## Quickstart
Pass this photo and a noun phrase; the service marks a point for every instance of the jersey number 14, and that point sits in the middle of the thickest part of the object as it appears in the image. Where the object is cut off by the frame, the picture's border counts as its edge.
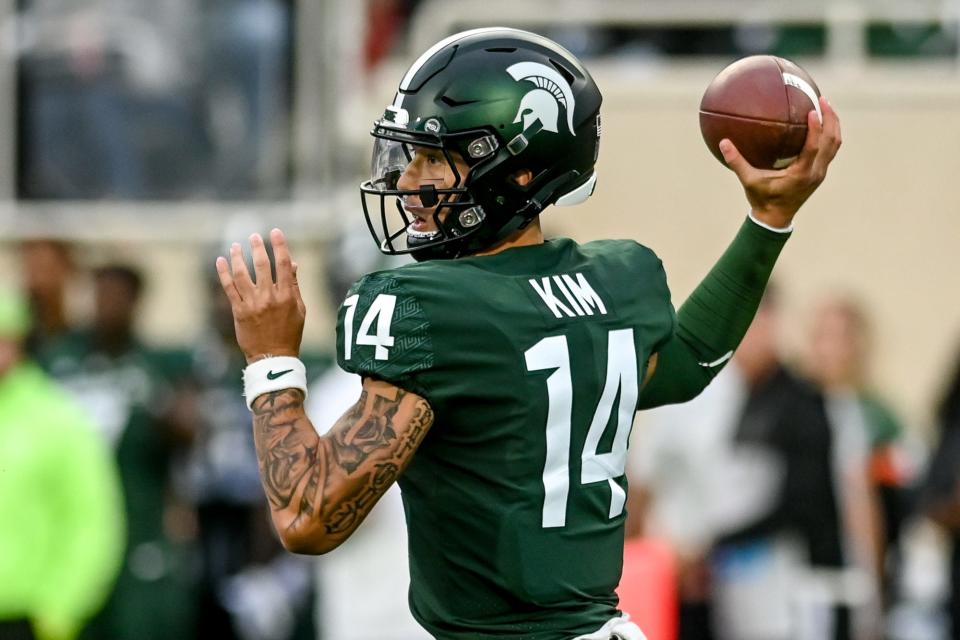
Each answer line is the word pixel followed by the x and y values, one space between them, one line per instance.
pixel 553 353
pixel 380 310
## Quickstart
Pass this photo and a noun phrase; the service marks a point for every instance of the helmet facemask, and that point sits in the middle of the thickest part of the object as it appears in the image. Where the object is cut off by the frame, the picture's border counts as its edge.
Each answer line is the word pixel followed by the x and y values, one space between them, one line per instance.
pixel 392 213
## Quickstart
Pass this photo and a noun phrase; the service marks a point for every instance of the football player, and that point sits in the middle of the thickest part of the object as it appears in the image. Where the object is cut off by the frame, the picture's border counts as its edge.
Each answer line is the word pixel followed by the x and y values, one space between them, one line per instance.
pixel 501 372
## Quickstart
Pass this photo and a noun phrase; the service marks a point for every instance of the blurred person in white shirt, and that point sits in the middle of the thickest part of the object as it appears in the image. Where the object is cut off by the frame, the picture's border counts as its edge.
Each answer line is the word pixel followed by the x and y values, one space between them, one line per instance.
pixel 762 523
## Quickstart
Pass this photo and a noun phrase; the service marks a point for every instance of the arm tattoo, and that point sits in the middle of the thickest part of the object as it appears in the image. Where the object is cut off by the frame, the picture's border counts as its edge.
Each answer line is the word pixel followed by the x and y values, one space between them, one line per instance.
pixel 351 512
pixel 335 480
pixel 365 434
pixel 287 452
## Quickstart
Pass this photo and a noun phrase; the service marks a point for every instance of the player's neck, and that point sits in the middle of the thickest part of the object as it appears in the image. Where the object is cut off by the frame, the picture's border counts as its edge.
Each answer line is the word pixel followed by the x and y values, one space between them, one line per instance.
pixel 531 234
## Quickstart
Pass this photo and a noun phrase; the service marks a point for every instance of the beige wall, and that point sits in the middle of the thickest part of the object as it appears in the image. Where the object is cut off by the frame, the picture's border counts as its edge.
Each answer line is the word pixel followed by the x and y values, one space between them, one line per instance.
pixel 885 225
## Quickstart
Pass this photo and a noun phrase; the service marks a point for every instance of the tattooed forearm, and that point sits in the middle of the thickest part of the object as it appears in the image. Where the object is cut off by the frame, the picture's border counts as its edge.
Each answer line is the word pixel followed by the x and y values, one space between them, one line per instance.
pixel 422 419
pixel 329 484
pixel 350 512
pixel 287 451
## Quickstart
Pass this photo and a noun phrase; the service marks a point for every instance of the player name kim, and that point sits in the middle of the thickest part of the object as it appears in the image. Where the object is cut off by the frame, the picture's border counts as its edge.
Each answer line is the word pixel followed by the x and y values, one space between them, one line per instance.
pixel 568 295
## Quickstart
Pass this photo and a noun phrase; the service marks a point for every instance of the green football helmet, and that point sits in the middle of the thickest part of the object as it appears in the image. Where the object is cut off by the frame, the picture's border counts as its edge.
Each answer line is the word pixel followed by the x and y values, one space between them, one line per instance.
pixel 499 101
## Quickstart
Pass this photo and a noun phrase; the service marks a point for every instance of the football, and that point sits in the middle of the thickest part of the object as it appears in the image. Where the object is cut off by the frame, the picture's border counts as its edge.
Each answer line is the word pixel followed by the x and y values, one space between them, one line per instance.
pixel 761 104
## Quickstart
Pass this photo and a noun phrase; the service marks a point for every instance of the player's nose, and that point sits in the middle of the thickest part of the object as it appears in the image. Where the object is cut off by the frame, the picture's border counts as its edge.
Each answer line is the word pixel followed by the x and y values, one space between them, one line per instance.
pixel 407 179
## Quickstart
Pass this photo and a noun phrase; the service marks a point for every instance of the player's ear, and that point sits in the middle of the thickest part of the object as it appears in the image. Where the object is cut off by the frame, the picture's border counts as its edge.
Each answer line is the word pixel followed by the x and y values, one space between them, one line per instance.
pixel 521 177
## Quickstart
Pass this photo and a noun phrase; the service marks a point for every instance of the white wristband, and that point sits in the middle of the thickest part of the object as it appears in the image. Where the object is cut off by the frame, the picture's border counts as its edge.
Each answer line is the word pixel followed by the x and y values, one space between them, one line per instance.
pixel 768 227
pixel 273 374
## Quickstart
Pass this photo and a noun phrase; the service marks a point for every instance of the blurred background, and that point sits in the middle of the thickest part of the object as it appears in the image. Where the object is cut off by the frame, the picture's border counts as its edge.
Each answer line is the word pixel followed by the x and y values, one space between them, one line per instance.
pixel 138 138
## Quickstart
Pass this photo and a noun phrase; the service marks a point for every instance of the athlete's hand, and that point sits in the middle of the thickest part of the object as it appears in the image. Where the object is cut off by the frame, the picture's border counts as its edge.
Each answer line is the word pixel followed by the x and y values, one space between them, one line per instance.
pixel 775 196
pixel 267 316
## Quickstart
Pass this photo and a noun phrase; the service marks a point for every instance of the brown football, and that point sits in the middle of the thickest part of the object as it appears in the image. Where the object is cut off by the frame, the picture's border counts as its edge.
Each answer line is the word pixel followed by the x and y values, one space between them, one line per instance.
pixel 761 103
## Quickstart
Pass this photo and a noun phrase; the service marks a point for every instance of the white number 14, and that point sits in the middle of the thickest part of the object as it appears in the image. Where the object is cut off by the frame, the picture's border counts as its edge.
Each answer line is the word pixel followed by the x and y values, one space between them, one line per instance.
pixel 380 310
pixel 553 353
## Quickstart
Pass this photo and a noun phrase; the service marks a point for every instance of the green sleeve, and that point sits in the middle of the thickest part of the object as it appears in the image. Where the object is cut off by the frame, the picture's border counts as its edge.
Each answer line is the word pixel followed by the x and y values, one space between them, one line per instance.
pixel 714 319
pixel 85 493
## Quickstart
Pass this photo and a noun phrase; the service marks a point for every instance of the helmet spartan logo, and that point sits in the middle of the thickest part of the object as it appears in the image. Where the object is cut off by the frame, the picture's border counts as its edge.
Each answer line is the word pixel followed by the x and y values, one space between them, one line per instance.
pixel 543 103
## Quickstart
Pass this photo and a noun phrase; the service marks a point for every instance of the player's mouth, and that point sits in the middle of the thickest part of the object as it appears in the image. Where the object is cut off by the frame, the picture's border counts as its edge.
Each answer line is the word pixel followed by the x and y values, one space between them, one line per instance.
pixel 422 224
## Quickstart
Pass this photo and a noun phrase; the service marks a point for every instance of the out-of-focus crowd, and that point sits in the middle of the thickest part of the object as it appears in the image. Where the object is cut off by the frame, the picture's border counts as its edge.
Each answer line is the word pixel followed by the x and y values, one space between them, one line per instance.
pixel 180 99
pixel 145 100
pixel 179 474
pixel 148 100
pixel 793 501
pixel 131 500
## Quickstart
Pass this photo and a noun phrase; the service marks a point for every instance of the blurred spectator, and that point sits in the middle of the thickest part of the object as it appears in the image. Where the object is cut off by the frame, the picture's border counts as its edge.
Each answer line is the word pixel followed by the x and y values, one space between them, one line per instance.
pixel 62 537
pixel 368 577
pixel 74 133
pixel 107 90
pixel 46 268
pixel 839 362
pixel 807 561
pixel 678 493
pixel 250 588
pixel 941 495
pixel 121 382
pixel 248 60
pixel 144 99
pixel 777 499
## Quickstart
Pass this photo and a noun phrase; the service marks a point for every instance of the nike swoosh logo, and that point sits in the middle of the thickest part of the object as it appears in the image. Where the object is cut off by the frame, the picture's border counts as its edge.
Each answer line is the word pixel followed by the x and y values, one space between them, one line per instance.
pixel 273 376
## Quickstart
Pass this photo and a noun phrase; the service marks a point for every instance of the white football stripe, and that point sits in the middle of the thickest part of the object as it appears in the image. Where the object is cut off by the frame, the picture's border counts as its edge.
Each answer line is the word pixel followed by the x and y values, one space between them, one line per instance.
pixel 792 80
pixel 782 163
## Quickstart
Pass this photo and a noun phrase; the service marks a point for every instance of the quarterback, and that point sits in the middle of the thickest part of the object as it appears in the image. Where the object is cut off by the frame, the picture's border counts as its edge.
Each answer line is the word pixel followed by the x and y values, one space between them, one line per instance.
pixel 501 372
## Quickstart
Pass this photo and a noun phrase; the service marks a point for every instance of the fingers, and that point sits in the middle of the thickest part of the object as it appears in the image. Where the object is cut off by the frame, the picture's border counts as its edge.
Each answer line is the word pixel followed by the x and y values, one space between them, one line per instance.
pixel 827 144
pixel 286 267
pixel 235 277
pixel 296 289
pixel 832 138
pixel 731 155
pixel 261 261
pixel 281 255
pixel 226 281
pixel 241 277
pixel 811 145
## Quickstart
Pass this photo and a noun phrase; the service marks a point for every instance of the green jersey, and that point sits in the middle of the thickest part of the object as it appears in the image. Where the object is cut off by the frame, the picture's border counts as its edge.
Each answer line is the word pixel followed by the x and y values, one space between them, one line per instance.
pixel 532 360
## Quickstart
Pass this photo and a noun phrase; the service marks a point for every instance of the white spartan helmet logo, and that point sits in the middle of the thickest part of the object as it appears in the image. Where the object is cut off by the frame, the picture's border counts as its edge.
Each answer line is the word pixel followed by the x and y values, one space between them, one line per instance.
pixel 543 102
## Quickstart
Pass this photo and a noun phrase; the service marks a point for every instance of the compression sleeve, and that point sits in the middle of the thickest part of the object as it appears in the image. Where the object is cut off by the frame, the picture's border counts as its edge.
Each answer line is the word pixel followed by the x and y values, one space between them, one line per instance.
pixel 714 319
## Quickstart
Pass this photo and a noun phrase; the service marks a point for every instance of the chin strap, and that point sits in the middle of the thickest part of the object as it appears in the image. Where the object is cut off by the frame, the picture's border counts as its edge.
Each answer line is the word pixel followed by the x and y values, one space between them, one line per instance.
pixel 536 202
pixel 534 206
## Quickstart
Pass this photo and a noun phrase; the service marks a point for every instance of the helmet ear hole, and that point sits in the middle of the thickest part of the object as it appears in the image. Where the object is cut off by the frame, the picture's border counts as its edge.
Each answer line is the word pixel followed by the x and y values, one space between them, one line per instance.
pixel 521 177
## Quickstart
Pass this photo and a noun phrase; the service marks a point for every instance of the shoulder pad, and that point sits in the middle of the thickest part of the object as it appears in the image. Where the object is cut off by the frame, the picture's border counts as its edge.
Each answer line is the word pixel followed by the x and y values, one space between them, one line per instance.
pixel 383 332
